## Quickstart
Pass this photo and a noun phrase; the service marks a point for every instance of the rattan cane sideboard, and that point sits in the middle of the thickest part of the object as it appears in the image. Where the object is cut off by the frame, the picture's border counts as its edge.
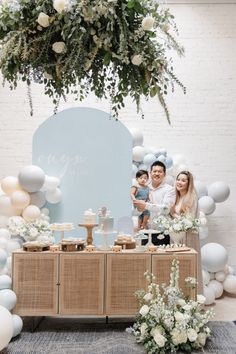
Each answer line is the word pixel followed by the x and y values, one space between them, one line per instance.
pixel 97 284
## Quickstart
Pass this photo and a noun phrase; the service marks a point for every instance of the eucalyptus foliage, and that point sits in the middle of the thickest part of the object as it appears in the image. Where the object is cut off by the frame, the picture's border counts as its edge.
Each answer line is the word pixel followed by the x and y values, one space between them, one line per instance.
pixel 112 48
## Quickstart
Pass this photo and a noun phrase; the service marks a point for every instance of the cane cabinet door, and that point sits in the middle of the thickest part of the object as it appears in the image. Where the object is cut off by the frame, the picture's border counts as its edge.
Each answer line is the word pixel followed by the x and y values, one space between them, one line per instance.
pixel 125 275
pixel 35 282
pixel 82 284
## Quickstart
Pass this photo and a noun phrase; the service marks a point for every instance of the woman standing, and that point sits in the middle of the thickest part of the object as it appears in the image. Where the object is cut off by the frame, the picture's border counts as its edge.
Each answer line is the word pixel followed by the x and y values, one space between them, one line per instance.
pixel 186 203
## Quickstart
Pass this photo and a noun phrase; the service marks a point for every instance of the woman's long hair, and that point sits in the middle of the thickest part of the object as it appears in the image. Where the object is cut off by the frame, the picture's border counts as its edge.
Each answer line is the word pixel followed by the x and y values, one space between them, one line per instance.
pixel 189 200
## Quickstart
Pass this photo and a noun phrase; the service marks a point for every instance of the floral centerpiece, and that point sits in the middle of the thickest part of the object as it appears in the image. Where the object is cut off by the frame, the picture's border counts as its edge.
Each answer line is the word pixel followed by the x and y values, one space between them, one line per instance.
pixel 167 321
pixel 110 47
pixel 31 231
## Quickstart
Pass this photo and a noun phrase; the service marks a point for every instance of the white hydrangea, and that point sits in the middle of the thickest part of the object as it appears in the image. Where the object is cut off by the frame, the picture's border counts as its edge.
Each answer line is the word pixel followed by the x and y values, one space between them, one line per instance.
pixel 147 23
pixel 59 47
pixel 43 20
pixel 137 59
pixel 144 310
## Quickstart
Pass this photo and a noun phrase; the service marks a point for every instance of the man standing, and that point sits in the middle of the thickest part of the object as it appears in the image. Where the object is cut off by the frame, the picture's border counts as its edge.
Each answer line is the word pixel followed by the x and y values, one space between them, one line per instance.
pixel 162 196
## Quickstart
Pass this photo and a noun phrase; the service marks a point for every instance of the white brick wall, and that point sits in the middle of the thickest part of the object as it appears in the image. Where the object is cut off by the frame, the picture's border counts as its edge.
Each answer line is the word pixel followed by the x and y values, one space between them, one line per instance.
pixel 203 122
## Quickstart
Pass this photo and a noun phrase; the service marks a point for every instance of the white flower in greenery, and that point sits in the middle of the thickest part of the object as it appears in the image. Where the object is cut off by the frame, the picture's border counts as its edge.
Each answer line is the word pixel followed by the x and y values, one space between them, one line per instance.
pixel 201 339
pixel 143 328
pixel 137 59
pixel 59 47
pixel 179 316
pixel 148 297
pixel 181 302
pixel 43 20
pixel 144 310
pixel 147 23
pixel 60 5
pixel 158 337
pixel 201 299
pixel 187 307
pixel 178 337
pixel 192 334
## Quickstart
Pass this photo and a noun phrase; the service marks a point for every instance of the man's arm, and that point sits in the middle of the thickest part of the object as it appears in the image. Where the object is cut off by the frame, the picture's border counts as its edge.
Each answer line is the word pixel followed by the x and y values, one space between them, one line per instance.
pixel 168 200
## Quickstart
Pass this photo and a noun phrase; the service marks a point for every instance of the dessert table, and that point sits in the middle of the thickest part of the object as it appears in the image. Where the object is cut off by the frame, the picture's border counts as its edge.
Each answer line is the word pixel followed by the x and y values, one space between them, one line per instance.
pixel 100 283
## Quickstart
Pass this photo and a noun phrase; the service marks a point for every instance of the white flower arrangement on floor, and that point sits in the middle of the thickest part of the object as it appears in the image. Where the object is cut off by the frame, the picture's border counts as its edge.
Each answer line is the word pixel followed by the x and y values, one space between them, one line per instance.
pixel 167 321
pixel 110 47
pixel 166 224
pixel 31 231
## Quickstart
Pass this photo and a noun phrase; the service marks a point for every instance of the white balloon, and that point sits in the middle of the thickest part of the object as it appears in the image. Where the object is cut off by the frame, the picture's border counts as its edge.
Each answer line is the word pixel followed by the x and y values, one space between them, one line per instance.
pixel 229 284
pixel 214 257
pixel 20 199
pixel 45 211
pixel 10 184
pixel 17 325
pixel 3 258
pixel 220 276
pixel 8 264
pixel 6 325
pixel 3 221
pixel 231 270
pixel 4 233
pixel 170 180
pixel 149 159
pixel 51 183
pixel 3 271
pixel 6 208
pixel 31 178
pixel 3 243
pixel 169 162
pixel 7 299
pixel 205 277
pixel 161 158
pixel 12 246
pixel 5 282
pixel 138 153
pixel 201 189
pixel 219 191
pixel 217 288
pixel 137 136
pixel 38 199
pixel 209 295
pixel 31 213
pixel 54 196
pixel 207 205
pixel 203 232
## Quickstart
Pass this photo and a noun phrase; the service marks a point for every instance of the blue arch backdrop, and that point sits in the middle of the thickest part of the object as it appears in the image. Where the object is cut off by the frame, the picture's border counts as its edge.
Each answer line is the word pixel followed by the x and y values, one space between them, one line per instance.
pixel 91 153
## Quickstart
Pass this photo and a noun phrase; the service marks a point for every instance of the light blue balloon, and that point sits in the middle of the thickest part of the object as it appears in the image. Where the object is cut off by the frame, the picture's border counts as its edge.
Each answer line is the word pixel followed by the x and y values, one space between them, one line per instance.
pixel 5 282
pixel 163 151
pixel 149 159
pixel 142 166
pixel 169 162
pixel 7 299
pixel 161 158
pixel 17 325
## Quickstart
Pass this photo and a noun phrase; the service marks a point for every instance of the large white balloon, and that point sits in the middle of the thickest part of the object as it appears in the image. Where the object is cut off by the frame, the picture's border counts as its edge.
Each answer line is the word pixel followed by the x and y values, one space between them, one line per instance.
pixel 20 199
pixel 7 299
pixel 38 199
pixel 3 258
pixel 217 287
pixel 31 213
pixel 4 233
pixel 6 208
pixel 5 282
pixel 6 325
pixel 10 184
pixel 54 196
pixel 201 189
pixel 207 205
pixel 214 257
pixel 219 191
pixel 12 246
pixel 17 325
pixel 51 183
pixel 137 136
pixel 31 178
pixel 229 284
pixel 209 295
pixel 138 153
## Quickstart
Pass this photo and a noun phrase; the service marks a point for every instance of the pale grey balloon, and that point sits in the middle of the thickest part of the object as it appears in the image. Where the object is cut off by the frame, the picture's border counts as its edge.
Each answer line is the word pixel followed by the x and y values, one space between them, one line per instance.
pixel 207 205
pixel 201 189
pixel 17 325
pixel 38 199
pixel 214 257
pixel 7 299
pixel 31 178
pixel 219 191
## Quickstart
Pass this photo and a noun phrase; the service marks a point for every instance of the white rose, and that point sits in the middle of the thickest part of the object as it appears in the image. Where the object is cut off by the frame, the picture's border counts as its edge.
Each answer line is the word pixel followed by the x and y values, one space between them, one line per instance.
pixel 201 299
pixel 187 307
pixel 43 19
pixel 181 302
pixel 192 334
pixel 147 23
pixel 143 328
pixel 144 310
pixel 147 297
pixel 158 338
pixel 201 339
pixel 60 5
pixel 136 59
pixel 178 337
pixel 33 232
pixel 59 47
pixel 179 316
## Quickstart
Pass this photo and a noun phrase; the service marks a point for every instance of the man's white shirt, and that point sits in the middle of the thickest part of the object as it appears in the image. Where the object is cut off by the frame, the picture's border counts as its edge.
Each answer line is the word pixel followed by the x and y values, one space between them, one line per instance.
pixel 161 197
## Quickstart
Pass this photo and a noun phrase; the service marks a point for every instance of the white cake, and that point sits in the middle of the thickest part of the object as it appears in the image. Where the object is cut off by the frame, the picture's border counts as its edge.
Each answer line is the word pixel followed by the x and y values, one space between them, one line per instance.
pixel 90 217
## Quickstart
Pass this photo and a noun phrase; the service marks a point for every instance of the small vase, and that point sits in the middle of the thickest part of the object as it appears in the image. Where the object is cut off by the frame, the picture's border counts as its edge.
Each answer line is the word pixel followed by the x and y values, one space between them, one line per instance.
pixel 177 237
